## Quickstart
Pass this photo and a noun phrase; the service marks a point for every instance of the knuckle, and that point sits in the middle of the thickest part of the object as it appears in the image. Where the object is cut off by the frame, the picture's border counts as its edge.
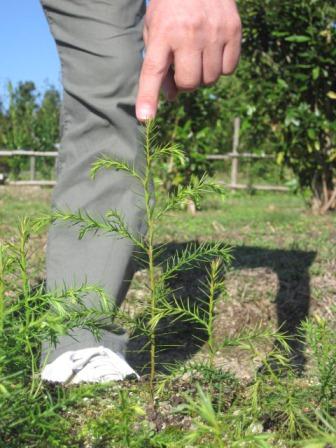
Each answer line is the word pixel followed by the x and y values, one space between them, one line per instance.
pixel 195 23
pixel 217 30
pixel 146 98
pixel 168 26
pixel 215 26
pixel 152 67
pixel 192 23
pixel 234 27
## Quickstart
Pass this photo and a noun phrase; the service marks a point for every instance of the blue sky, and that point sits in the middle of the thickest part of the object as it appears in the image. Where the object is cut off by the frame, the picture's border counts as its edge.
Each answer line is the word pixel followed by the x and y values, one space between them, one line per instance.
pixel 27 50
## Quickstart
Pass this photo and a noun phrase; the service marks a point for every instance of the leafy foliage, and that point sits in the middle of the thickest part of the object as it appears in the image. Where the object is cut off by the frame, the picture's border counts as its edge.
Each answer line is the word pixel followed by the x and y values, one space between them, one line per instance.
pixel 28 316
pixel 284 92
pixel 29 122
pixel 201 124
pixel 290 82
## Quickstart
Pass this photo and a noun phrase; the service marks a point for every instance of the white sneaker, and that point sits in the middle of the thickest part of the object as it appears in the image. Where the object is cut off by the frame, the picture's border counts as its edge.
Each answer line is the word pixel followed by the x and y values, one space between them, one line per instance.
pixel 89 365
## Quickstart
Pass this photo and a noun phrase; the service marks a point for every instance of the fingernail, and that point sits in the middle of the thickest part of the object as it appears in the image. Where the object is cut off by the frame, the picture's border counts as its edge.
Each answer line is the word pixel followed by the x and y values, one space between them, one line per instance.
pixel 146 112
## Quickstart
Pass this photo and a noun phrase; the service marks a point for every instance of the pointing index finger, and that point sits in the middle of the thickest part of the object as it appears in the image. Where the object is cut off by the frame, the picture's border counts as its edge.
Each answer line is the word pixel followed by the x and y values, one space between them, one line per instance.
pixel 154 70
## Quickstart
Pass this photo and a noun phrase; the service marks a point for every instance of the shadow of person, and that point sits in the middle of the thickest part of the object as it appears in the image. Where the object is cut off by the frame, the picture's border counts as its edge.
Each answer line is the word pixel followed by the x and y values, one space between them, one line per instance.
pixel 292 299
pixel 178 341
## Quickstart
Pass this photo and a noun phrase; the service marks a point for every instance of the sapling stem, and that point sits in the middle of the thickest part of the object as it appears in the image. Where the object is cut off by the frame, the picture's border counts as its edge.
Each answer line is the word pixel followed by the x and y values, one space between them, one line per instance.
pixel 2 286
pixel 149 201
pixel 158 306
pixel 213 288
pixel 24 235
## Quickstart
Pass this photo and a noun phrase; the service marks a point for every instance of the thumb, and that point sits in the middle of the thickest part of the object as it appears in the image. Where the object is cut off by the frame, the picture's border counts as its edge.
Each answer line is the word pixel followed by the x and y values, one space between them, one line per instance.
pixel 154 70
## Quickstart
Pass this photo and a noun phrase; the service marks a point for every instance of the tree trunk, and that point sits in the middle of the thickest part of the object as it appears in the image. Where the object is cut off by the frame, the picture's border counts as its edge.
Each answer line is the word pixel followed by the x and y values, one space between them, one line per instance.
pixel 331 203
pixel 324 192
pixel 191 207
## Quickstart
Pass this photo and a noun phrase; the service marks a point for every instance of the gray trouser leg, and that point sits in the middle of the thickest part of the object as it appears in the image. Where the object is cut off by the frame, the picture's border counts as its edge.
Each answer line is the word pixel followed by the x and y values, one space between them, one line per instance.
pixel 100 47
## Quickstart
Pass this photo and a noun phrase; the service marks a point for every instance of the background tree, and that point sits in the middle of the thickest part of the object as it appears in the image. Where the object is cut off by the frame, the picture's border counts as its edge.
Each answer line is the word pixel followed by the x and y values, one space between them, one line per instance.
pixel 29 122
pixel 46 128
pixel 201 124
pixel 18 129
pixel 290 83
pixel 3 164
pixel 284 92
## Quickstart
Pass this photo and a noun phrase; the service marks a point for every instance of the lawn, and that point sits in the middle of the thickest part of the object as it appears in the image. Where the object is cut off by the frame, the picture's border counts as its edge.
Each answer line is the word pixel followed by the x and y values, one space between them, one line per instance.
pixel 283 271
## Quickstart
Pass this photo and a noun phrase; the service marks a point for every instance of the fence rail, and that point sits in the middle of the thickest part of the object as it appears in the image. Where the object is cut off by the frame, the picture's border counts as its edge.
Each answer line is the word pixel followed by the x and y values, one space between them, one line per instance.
pixel 27 152
pixel 240 155
pixel 234 156
pixel 32 166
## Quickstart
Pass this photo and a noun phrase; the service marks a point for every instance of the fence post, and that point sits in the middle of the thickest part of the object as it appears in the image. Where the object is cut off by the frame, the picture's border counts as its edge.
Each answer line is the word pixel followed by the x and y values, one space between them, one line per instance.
pixel 55 168
pixel 235 146
pixel 32 167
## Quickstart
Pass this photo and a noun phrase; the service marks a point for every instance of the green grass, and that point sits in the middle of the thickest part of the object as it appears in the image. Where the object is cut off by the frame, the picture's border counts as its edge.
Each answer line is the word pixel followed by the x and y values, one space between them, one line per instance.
pixel 16 202
pixel 281 248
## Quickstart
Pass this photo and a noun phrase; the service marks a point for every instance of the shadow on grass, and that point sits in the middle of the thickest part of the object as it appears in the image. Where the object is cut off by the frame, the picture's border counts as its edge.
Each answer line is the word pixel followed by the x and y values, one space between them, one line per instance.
pixel 180 340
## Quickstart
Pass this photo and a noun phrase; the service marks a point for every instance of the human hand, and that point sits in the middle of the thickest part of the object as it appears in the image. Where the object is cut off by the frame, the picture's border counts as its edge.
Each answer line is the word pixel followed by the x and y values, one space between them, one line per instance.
pixel 188 43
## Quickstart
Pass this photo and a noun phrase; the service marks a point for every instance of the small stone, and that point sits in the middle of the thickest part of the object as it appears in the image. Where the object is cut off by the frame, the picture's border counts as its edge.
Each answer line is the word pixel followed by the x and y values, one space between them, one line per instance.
pixel 256 428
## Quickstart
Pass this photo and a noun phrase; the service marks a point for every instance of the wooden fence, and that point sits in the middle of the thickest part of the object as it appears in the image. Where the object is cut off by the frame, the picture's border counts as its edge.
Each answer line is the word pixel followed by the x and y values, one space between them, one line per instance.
pixel 234 156
pixel 32 166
